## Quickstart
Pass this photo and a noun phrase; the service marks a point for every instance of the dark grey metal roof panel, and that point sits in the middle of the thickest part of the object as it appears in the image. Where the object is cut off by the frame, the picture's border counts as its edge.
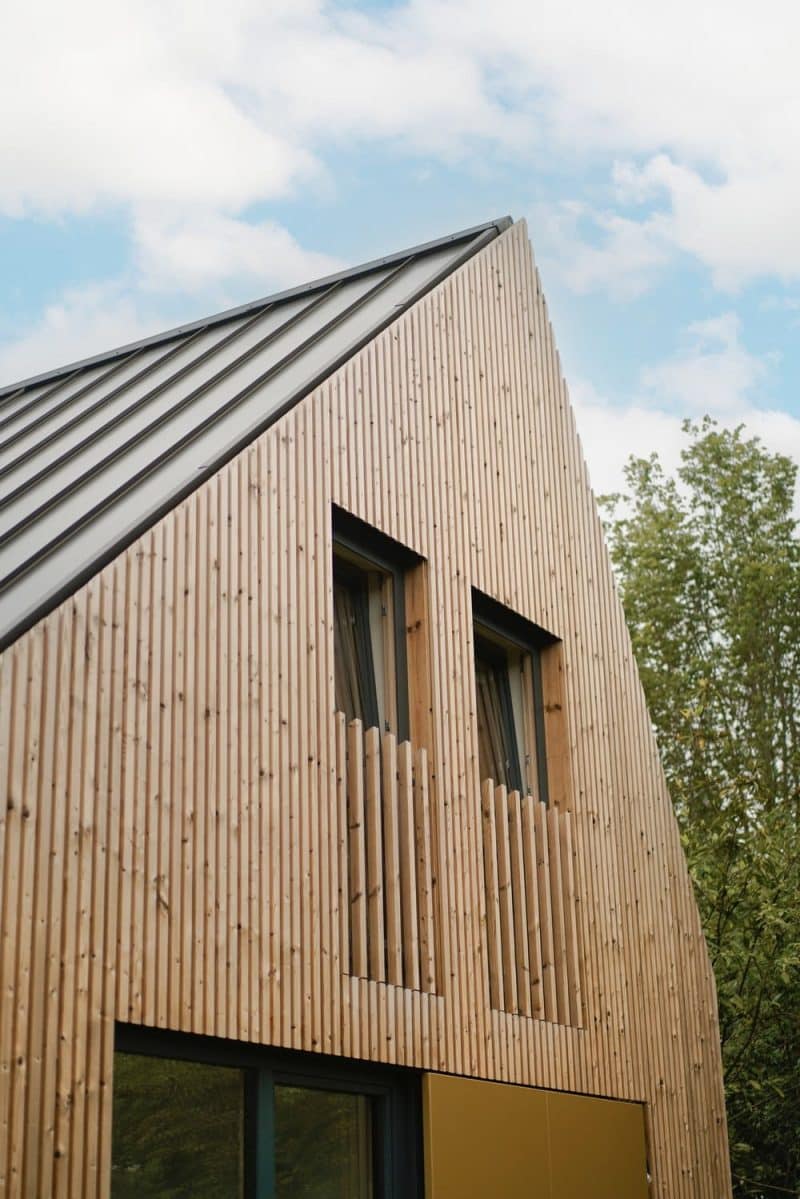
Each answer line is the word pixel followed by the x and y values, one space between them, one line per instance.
pixel 95 453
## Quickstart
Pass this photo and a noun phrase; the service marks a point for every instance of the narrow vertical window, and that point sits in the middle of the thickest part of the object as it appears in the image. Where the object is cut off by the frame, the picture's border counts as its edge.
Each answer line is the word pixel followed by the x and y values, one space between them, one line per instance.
pixel 508 695
pixel 362 602
pixel 528 863
pixel 369 631
pixel 501 739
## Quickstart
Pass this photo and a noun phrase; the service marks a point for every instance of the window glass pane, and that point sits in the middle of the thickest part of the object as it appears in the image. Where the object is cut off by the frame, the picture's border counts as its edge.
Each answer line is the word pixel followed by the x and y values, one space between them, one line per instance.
pixel 381 634
pixel 498 751
pixel 348 686
pixel 323 1144
pixel 353 662
pixel 178 1129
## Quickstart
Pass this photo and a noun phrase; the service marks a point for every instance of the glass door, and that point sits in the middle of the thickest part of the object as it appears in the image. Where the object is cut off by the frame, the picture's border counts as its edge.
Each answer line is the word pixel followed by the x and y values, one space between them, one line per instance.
pixel 323 1144
pixel 198 1118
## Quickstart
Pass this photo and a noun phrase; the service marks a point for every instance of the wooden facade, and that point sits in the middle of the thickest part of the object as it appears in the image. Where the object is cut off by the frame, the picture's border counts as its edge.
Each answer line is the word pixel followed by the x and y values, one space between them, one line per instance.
pixel 176 836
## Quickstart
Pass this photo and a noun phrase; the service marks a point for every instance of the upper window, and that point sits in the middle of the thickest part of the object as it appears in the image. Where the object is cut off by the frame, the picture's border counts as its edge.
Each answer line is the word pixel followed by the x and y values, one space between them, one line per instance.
pixel 508 692
pixel 211 1119
pixel 371 678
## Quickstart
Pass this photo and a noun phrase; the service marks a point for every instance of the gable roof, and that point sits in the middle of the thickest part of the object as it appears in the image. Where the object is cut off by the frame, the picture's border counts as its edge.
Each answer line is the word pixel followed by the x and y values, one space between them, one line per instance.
pixel 94 453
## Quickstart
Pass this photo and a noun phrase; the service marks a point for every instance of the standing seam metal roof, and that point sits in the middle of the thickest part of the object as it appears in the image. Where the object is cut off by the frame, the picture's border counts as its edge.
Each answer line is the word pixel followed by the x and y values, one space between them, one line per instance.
pixel 94 453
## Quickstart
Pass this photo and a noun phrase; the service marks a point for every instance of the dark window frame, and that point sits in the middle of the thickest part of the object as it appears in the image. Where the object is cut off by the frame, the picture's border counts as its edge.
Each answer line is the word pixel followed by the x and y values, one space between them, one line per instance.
pixel 495 627
pixel 367 548
pixel 395 1092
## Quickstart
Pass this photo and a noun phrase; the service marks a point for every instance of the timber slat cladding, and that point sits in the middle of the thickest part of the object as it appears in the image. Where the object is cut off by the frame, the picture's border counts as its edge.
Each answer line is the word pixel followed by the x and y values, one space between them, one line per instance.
pixel 176 826
pixel 531 907
pixel 392 921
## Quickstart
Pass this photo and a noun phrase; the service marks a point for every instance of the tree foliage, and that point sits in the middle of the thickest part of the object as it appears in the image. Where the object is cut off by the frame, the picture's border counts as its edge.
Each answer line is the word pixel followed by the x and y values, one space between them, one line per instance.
pixel 180 1131
pixel 708 565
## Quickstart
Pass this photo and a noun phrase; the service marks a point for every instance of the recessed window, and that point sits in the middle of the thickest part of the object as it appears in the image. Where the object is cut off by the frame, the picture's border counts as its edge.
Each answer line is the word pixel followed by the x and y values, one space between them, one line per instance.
pixel 501 732
pixel 364 650
pixel 194 1117
pixel 370 659
pixel 508 694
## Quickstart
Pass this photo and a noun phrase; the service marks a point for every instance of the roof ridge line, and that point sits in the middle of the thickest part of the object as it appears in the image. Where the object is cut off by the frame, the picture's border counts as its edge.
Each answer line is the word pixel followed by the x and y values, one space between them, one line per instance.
pixel 228 314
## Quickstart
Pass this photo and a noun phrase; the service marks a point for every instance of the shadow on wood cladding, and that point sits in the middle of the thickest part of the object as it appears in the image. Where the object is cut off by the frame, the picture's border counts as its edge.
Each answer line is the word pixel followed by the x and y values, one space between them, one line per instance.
pixel 534 966
pixel 391 842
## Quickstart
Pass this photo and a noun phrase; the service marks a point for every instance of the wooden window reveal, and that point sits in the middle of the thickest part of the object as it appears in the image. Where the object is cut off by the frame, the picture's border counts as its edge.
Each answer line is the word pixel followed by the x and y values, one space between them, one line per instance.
pixel 369 611
pixel 510 705
pixel 528 851
pixel 383 700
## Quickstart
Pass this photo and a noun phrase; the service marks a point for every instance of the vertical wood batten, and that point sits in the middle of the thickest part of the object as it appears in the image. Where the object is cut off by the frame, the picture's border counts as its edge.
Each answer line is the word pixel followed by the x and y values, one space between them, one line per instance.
pixel 304 684
pixel 249 700
pixel 30 1014
pixel 426 866
pixel 520 904
pixel 21 821
pixel 230 790
pixel 176 564
pixel 86 1141
pixel 492 886
pixel 533 917
pixel 391 860
pixel 410 940
pixel 270 668
pixel 463 368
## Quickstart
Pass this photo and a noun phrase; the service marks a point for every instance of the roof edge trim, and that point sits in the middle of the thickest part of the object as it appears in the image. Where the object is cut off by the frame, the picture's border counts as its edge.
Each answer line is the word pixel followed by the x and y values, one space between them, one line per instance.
pixel 479 237
pixel 108 356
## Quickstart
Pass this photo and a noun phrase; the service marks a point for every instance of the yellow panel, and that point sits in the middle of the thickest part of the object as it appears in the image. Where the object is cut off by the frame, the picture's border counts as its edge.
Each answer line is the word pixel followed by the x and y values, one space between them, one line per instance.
pixel 488 1140
pixel 597 1148
pixel 484 1140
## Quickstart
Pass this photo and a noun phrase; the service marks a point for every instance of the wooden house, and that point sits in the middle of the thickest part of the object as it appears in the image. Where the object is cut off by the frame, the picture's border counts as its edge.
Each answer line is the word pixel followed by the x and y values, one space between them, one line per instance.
pixel 337 859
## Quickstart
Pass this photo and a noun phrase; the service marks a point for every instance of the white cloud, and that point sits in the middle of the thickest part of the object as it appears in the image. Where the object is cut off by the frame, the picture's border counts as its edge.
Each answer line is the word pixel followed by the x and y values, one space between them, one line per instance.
pixel 162 102
pixel 742 227
pixel 611 432
pixel 780 304
pixel 204 250
pixel 182 114
pixel 714 373
pixel 623 260
pixel 172 104
pixel 84 321
pixel 216 259
pixel 158 98
pixel 108 103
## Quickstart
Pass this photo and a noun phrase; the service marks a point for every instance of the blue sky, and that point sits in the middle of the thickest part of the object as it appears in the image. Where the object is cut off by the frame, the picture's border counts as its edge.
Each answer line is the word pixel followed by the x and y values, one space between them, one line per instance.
pixel 159 161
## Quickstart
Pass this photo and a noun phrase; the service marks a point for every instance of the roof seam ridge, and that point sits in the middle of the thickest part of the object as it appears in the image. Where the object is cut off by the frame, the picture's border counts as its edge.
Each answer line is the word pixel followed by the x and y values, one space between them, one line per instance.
pixel 6 392
pixel 235 432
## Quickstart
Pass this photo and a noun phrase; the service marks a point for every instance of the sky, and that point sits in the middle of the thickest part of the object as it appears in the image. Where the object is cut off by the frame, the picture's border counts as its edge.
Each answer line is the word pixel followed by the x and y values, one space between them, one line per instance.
pixel 164 159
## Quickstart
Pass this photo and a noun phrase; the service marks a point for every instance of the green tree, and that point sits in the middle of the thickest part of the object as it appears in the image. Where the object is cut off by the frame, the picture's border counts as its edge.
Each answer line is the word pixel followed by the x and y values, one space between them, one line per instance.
pixel 708 565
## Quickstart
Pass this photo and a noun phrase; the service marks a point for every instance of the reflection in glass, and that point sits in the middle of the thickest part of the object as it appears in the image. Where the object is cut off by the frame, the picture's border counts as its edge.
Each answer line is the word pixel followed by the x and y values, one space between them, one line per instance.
pixel 178 1130
pixel 323 1144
